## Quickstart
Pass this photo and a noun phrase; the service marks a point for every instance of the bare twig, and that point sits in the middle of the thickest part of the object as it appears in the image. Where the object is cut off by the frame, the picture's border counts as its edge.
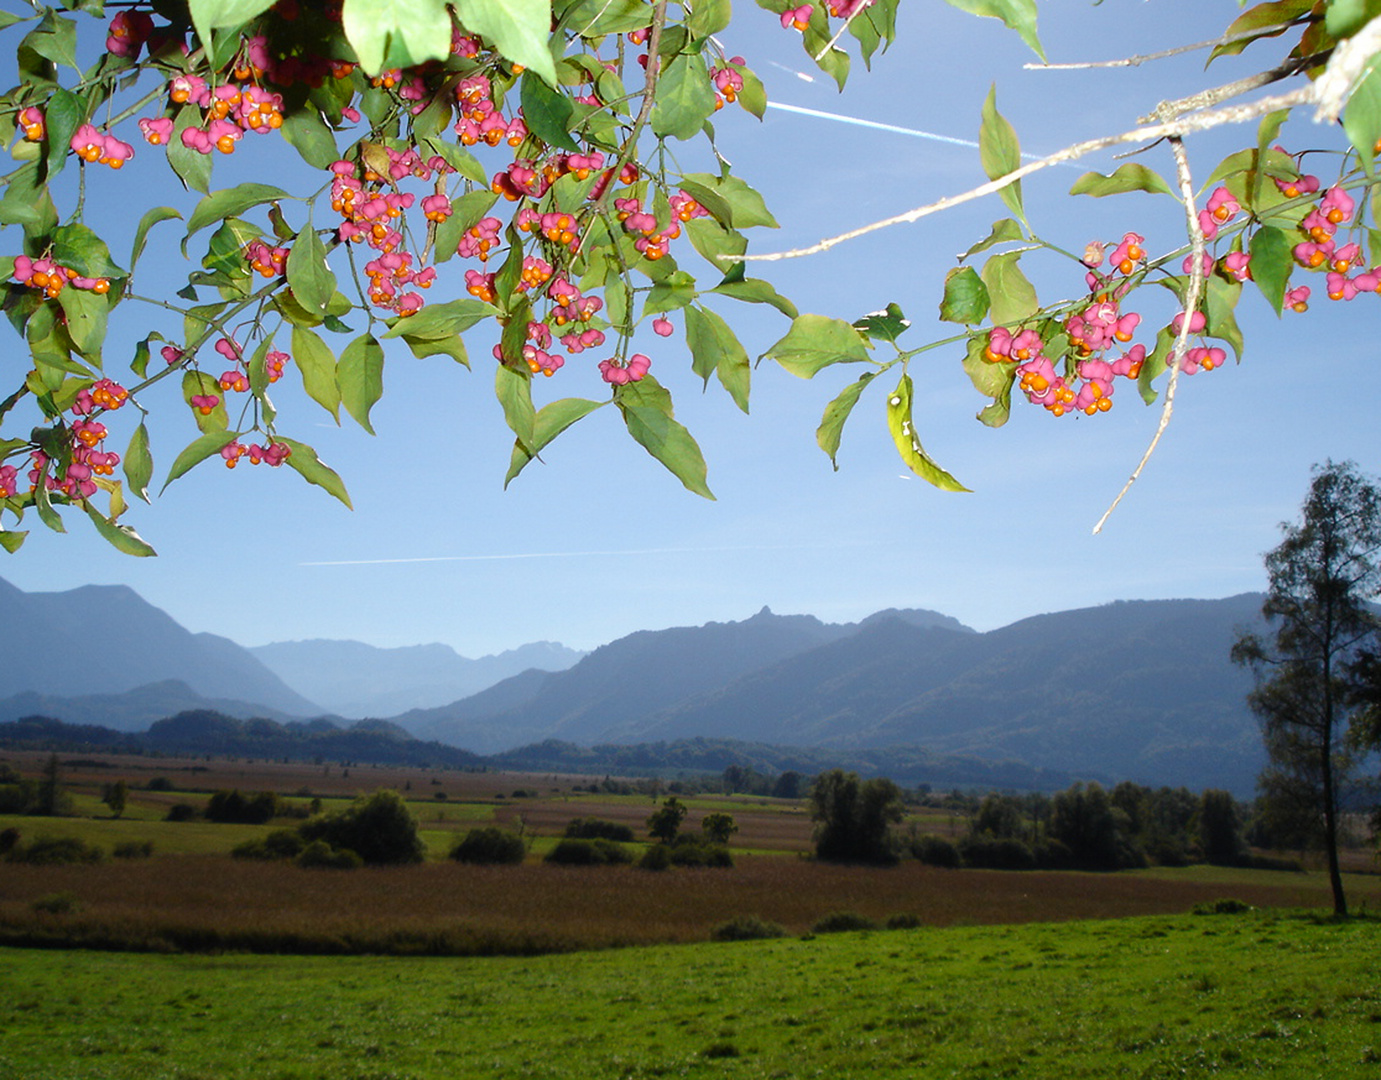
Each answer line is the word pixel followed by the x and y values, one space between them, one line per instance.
pixel 1167 110
pixel 1137 61
pixel 840 33
pixel 1202 121
pixel 1191 305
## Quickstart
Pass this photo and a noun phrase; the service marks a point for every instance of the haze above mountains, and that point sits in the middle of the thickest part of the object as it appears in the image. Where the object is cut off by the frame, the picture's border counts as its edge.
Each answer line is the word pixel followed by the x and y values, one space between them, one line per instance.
pixel 1139 690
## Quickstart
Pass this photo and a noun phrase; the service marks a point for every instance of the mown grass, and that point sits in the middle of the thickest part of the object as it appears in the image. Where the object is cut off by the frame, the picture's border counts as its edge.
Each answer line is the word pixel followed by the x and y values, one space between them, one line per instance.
pixel 1263 995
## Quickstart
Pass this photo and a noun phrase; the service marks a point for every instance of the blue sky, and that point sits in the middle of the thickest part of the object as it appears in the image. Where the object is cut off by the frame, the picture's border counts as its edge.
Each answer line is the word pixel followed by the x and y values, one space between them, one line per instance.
pixel 600 541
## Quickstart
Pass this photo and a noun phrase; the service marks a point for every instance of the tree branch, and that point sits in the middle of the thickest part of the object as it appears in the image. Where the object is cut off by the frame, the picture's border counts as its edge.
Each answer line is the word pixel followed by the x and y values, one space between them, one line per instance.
pixel 1203 121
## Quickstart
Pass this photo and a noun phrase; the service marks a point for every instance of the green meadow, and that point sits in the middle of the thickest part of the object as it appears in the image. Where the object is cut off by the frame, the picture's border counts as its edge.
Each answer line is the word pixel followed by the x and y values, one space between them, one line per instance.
pixel 1255 995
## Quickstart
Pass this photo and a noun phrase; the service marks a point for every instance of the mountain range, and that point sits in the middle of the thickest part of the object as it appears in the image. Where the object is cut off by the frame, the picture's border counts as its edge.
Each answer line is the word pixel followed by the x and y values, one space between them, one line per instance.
pixel 1141 690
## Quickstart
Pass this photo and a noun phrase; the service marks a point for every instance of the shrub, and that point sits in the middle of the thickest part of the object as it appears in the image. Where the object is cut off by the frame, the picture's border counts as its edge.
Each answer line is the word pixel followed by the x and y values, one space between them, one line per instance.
pixel 160 783
pixel 8 838
pixel 490 846
pixel 936 851
pixel 597 829
pixel 839 922
pixel 904 921
pixel 1224 906
pixel 63 903
pixel 656 857
pixel 588 853
pixel 994 854
pixel 279 844
pixel 54 851
pixel 320 855
pixel 747 928
pixel 180 812
pixel 133 849
pixel 690 851
pixel 378 827
pixel 236 808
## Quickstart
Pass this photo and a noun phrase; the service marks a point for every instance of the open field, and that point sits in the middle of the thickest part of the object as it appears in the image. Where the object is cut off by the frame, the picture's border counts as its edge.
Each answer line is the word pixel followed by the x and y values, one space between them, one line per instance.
pixel 1254 996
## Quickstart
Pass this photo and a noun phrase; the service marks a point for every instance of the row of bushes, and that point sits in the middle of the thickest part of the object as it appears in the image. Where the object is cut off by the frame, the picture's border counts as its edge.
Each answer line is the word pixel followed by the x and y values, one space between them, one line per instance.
pixel 751 927
pixel 494 846
pixel 66 850
pixel 984 852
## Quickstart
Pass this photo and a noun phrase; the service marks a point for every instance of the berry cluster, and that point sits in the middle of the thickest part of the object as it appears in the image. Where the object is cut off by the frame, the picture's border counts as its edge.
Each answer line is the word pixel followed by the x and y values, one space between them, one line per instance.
pixel 52 279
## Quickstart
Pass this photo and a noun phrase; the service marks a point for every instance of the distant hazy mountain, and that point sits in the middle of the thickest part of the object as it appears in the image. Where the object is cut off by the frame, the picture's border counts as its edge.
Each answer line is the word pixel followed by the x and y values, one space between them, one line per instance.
pixel 612 691
pixel 1141 690
pixel 106 639
pixel 353 679
pixel 134 710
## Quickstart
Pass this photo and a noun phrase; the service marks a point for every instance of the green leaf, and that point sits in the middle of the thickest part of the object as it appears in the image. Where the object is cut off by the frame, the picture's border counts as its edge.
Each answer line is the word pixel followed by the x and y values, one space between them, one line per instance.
pixel 465 163
pixel 714 347
pixel 831 428
pixel 731 200
pixel 1271 19
pixel 397 33
pixel 454 347
pixel 317 365
pixel 55 39
pixel 1019 15
pixel 647 412
pixel 1219 304
pixel 886 325
pixel 676 291
pixel 311 468
pixel 755 291
pixel 711 240
pixel 1155 363
pixel 999 151
pixel 1002 232
pixel 10 540
pixel 520 29
pixel 596 18
pixel 309 276
pixel 76 246
pixel 147 222
pixel 685 98
pixel 310 136
pixel 1271 264
pixel 138 463
pixel 442 320
pixel 551 421
pixel 1128 177
pixel 193 168
pixel 361 377
pixel 815 39
pixel 547 113
pixel 198 451
pixel 1362 116
pixel 709 17
pixel 121 537
pixel 514 390
pixel 815 342
pixel 208 15
pixel 1345 17
pixel 86 313
pixel 228 202
pixel 1012 296
pixel 200 384
pixel 991 380
pixel 63 113
pixel 900 424
pixel 966 297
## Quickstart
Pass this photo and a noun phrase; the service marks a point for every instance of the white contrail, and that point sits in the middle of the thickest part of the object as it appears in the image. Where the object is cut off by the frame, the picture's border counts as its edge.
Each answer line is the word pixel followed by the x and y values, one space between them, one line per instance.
pixel 895 129
pixel 495 557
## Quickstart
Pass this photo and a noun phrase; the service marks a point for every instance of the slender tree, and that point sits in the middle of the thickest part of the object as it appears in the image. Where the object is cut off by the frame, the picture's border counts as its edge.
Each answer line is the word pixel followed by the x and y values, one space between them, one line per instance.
pixel 1322 577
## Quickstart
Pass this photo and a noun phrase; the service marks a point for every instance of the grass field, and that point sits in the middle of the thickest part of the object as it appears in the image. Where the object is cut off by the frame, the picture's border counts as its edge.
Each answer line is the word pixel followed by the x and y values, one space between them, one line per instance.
pixel 1256 996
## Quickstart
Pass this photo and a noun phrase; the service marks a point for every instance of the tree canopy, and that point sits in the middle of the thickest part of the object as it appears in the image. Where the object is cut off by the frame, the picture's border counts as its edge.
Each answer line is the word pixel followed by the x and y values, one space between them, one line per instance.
pixel 537 148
